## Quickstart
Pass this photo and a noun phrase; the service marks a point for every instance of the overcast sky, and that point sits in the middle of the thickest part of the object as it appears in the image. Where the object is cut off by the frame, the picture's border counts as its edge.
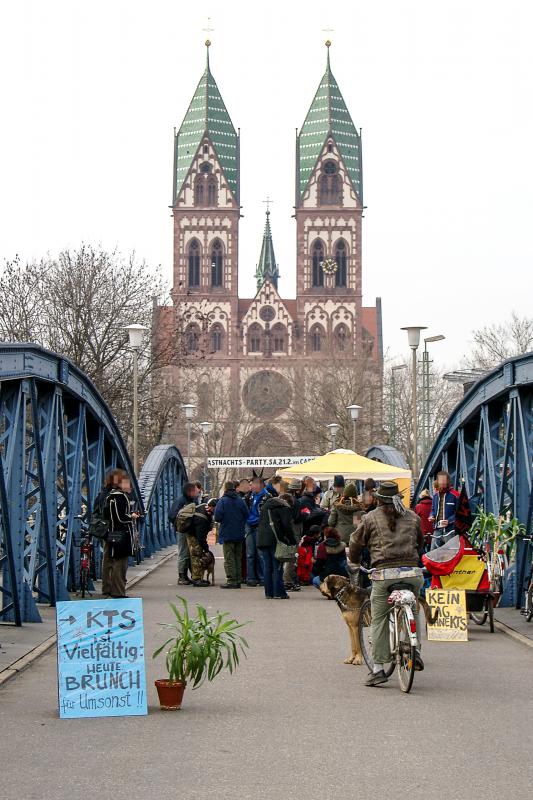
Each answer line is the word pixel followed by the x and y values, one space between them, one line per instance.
pixel 91 91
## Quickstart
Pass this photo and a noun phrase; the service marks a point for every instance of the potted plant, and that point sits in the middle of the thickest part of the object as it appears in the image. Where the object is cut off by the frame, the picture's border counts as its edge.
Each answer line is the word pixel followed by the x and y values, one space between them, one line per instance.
pixel 200 648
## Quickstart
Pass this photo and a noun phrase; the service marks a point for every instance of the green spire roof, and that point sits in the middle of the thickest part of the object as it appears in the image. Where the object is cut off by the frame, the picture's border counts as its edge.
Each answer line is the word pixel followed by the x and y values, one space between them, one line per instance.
pixel 207 115
pixel 329 116
pixel 267 269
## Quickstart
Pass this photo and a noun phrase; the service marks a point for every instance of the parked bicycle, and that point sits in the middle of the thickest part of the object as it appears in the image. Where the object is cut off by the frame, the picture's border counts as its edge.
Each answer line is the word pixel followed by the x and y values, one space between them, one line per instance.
pixel 86 557
pixel 402 630
pixel 528 605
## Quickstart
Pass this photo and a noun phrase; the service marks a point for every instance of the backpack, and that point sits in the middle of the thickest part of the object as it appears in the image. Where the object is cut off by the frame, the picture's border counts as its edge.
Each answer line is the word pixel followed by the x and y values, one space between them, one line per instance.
pixel 304 564
pixel 98 524
pixel 183 522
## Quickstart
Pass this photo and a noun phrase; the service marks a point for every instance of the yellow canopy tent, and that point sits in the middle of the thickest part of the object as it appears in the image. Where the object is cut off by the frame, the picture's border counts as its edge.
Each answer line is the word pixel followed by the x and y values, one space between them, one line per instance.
pixel 352 466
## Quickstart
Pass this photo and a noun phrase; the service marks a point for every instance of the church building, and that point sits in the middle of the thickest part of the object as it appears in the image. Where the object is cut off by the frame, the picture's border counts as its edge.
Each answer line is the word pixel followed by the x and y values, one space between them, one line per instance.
pixel 251 365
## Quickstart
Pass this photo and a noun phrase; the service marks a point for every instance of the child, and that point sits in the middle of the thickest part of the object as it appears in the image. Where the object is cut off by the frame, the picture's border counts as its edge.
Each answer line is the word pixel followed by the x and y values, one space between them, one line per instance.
pixel 306 555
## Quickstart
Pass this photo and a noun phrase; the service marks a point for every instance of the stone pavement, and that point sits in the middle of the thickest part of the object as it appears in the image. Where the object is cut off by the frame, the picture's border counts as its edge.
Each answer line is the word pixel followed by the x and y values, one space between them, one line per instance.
pixel 513 622
pixel 293 722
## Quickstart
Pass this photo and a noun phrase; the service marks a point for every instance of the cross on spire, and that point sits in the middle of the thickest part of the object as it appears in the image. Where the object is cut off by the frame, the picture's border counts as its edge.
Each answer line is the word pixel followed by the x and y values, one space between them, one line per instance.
pixel 268 203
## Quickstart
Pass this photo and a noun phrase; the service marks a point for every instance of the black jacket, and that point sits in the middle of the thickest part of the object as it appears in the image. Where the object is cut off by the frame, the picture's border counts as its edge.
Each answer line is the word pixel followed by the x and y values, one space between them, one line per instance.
pixel 308 513
pixel 281 514
pixel 202 522
pixel 176 507
pixel 118 512
pixel 330 559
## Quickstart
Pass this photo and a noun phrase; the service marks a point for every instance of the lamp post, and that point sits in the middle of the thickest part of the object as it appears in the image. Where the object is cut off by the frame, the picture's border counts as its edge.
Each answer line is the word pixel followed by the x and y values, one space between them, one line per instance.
pixel 136 334
pixel 354 414
pixel 413 335
pixel 426 393
pixel 206 427
pixel 189 409
pixel 392 408
pixel 333 429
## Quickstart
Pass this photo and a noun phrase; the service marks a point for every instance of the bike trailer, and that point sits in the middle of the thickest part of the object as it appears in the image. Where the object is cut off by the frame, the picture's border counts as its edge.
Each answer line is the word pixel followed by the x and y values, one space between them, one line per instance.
pixel 457 565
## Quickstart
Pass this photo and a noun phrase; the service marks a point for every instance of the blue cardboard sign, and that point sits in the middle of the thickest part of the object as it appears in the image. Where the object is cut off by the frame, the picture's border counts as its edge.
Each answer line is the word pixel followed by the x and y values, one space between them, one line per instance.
pixel 100 658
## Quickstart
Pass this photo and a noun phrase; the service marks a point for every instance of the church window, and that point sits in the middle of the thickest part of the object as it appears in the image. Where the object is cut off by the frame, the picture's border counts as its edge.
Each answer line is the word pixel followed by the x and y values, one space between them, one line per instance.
pixel 317 254
pixel 254 338
pixel 205 168
pixel 330 148
pixel 279 338
pixel 340 258
pixel 192 338
pixel 217 263
pixel 199 190
pixel 194 263
pixel 216 338
pixel 315 338
pixel 212 191
pixel 206 148
pixel 329 185
pixel 341 337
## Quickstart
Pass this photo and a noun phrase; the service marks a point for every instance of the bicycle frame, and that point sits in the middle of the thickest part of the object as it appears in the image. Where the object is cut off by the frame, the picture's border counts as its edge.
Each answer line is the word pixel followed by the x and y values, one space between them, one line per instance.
pixel 406 600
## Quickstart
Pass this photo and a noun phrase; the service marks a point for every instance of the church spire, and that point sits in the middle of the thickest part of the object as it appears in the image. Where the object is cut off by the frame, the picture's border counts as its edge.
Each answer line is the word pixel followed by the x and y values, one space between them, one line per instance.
pixel 207 116
pixel 328 116
pixel 267 269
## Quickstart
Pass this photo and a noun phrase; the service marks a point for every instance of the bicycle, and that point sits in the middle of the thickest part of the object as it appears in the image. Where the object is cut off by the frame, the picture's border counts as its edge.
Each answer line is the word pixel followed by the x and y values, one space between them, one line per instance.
pixel 528 607
pixel 86 557
pixel 402 631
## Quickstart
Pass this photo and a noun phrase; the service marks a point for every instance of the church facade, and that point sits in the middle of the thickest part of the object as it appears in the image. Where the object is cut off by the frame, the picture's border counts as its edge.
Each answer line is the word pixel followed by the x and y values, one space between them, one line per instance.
pixel 256 367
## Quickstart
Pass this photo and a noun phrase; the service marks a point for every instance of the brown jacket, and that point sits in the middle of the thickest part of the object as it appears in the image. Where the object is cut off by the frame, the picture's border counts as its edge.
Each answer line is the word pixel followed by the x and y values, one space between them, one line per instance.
pixel 398 548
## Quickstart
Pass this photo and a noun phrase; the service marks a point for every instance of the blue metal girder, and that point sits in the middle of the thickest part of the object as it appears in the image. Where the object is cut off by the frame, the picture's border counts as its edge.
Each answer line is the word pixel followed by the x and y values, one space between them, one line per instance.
pixel 488 442
pixel 160 482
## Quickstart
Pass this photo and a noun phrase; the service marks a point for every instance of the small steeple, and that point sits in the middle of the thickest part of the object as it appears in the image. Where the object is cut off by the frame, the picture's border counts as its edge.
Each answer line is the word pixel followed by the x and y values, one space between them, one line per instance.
pixel 267 269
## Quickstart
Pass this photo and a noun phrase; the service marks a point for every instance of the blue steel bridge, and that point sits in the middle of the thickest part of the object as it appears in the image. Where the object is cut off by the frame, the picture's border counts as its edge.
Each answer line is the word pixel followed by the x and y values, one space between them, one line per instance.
pixel 58 438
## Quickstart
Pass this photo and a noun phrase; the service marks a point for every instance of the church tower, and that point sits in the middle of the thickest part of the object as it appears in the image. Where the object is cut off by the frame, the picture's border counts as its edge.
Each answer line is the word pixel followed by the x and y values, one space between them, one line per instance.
pixel 267 269
pixel 329 207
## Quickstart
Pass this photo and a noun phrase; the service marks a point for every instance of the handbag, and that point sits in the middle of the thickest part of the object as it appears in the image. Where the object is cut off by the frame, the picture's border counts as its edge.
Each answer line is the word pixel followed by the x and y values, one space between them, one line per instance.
pixel 283 552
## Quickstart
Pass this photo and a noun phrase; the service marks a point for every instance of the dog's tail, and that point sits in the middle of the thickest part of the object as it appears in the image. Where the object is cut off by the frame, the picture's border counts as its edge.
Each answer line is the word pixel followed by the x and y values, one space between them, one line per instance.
pixel 430 618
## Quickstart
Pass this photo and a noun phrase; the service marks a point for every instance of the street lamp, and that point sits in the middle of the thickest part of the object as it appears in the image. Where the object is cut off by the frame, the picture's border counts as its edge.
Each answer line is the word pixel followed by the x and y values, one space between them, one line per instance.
pixel 206 427
pixel 426 391
pixel 189 409
pixel 392 409
pixel 333 429
pixel 354 414
pixel 136 334
pixel 413 335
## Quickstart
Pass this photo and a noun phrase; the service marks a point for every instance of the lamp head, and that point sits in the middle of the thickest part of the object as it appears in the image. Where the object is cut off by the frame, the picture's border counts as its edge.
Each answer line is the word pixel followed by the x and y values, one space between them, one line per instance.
pixel 354 411
pixel 206 427
pixel 333 428
pixel 437 338
pixel 189 409
pixel 413 334
pixel 136 333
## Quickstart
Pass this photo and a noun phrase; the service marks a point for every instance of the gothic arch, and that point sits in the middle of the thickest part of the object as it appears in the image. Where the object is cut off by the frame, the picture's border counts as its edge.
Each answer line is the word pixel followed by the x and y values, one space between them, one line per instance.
pixel 217 339
pixel 255 338
pixel 316 338
pixel 216 250
pixel 194 257
pixel 341 338
pixel 340 252
pixel 279 338
pixel 206 187
pixel 192 336
pixel 317 259
pixel 329 184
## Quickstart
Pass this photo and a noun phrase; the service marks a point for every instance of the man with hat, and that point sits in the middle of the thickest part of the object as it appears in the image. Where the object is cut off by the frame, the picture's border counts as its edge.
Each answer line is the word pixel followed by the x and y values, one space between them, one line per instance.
pixel 333 494
pixel 393 536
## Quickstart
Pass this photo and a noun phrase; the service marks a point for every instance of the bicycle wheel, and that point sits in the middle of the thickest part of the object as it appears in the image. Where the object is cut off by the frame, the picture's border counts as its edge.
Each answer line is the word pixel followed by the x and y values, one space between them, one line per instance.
pixel 529 612
pixel 490 612
pixel 480 617
pixel 365 639
pixel 406 653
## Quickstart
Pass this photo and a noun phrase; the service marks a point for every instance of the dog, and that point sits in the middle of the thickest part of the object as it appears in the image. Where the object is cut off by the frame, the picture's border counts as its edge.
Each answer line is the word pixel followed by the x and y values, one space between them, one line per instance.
pixel 208 565
pixel 350 598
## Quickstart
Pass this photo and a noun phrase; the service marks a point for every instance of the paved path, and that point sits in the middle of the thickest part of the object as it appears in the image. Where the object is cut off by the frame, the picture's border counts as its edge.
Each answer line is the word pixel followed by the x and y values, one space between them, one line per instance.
pixel 294 722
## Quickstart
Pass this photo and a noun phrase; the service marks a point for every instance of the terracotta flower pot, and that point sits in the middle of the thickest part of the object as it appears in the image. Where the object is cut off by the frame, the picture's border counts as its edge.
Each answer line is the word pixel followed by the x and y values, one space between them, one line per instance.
pixel 170 694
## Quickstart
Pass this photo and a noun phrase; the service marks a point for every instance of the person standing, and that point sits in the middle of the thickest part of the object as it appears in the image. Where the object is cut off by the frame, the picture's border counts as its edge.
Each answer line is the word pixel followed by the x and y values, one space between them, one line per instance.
pixel 342 511
pixel 334 494
pixel 275 524
pixel 443 508
pixel 423 510
pixel 393 535
pixel 273 486
pixel 201 525
pixel 119 543
pixel 189 495
pixel 254 567
pixel 231 513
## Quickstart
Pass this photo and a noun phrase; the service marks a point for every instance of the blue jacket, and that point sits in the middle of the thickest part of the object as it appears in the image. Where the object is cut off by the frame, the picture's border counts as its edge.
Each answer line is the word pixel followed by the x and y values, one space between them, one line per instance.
pixel 178 504
pixel 450 507
pixel 255 508
pixel 231 512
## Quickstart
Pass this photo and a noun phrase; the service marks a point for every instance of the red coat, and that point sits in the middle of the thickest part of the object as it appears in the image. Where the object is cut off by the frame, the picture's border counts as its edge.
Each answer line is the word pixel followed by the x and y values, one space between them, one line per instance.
pixel 423 509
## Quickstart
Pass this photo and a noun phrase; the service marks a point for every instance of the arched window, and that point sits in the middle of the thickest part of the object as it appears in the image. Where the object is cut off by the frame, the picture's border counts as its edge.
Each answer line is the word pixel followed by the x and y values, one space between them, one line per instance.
pixel 199 182
pixel 341 338
pixel 217 337
pixel 217 263
pixel 316 337
pixel 340 258
pixel 212 191
pixel 192 338
pixel 329 185
pixel 317 255
pixel 254 338
pixel 206 186
pixel 279 338
pixel 194 263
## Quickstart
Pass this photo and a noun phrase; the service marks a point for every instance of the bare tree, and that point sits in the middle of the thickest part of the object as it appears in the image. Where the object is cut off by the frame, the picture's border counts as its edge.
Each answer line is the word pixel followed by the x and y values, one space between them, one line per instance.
pixel 495 343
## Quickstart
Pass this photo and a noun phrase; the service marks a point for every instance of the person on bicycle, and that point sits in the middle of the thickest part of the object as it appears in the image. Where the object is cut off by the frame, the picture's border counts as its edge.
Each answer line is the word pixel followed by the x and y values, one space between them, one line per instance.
pixel 393 536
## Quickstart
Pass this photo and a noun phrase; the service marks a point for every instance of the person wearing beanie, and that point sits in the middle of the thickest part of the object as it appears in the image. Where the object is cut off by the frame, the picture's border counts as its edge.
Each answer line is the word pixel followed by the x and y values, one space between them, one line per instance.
pixel 342 511
pixel 330 557
pixel 423 510
pixel 334 493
